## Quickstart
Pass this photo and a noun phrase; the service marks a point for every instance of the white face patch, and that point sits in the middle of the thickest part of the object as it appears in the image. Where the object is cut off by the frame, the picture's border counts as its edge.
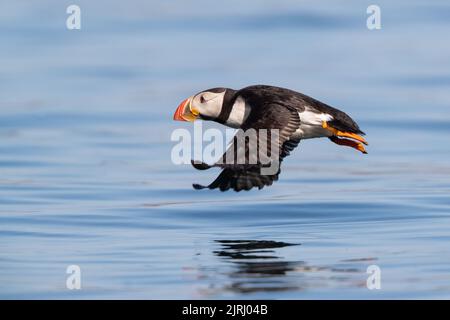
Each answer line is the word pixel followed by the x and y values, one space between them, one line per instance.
pixel 239 113
pixel 208 103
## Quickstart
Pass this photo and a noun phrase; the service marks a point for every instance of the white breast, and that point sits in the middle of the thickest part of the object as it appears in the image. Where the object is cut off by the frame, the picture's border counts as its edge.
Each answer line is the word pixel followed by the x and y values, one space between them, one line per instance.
pixel 239 113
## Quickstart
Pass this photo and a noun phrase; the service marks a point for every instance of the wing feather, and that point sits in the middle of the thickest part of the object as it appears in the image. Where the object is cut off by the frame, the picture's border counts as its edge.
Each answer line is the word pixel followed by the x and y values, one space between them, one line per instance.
pixel 244 172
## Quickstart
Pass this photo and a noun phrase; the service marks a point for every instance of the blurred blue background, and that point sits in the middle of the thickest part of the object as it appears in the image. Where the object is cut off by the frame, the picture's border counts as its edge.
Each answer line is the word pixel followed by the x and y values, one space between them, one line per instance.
pixel 86 176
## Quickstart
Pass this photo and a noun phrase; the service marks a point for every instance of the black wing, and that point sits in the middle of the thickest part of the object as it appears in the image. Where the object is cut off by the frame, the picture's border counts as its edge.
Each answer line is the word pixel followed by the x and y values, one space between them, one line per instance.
pixel 246 178
pixel 244 166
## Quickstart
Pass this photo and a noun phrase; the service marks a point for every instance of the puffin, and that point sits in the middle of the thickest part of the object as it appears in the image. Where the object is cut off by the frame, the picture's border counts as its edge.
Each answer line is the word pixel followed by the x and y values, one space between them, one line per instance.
pixel 292 115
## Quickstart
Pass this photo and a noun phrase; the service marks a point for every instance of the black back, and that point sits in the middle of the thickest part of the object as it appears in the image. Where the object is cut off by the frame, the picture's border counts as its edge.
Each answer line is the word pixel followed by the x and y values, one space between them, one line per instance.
pixel 260 95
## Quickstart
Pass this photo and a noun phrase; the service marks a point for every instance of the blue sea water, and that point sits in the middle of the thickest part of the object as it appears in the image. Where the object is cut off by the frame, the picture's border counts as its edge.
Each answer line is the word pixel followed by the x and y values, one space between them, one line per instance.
pixel 86 176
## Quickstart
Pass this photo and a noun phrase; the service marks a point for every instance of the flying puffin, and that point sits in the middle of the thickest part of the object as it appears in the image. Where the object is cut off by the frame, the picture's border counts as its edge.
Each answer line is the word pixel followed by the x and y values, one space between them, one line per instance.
pixel 294 115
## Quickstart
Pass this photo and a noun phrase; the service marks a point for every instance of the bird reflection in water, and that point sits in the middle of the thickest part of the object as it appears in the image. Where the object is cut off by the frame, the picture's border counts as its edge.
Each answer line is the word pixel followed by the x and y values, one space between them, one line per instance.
pixel 257 266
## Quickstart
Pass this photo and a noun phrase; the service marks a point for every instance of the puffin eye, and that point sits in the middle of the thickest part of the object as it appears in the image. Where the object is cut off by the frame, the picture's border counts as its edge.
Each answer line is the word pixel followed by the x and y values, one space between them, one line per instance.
pixel 202 99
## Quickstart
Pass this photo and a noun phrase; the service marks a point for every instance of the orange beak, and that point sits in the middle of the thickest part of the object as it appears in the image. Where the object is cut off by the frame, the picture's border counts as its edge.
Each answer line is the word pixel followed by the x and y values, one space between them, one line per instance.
pixel 185 112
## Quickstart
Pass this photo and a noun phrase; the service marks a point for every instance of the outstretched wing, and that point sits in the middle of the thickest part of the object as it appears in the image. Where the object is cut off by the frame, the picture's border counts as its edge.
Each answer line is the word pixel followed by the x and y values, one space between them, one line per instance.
pixel 253 159
pixel 245 178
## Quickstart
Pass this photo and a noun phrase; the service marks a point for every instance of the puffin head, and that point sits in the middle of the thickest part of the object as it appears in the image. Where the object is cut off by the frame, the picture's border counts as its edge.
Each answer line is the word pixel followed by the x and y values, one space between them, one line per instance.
pixel 205 105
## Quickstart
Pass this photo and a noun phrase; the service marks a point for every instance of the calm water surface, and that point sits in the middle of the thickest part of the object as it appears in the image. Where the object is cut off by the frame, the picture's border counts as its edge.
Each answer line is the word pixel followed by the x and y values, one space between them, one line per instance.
pixel 86 176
